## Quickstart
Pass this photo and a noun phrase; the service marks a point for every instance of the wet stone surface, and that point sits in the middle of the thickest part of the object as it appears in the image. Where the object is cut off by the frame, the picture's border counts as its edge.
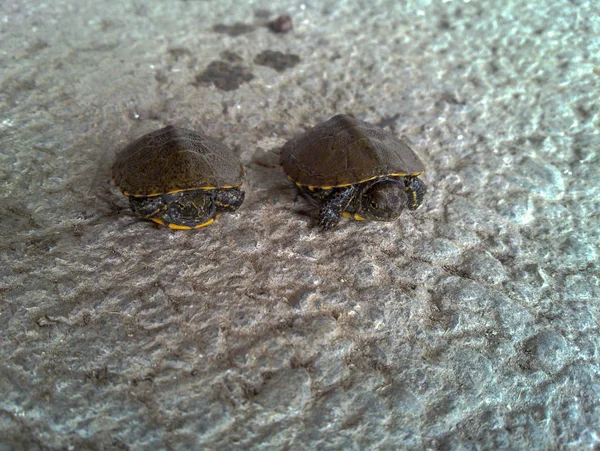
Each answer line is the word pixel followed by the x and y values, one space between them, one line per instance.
pixel 282 24
pixel 483 267
pixel 224 76
pixel 439 250
pixel 470 322
pixel 276 60
pixel 230 56
pixel 234 30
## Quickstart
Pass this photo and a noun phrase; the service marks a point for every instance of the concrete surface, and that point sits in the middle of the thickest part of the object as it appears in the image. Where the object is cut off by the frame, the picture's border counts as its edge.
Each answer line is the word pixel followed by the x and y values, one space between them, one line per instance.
pixel 471 324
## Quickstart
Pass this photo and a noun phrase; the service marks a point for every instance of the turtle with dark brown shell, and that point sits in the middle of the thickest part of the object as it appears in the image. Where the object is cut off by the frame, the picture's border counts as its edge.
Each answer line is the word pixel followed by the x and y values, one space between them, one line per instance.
pixel 179 178
pixel 355 169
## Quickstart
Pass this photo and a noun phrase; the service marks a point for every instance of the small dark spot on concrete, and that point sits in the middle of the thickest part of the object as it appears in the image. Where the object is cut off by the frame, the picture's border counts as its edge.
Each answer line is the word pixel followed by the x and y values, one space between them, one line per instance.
pixel 444 24
pixel 388 121
pixel 46 321
pixel 296 363
pixel 276 60
pixel 99 375
pixel 179 52
pixel 268 375
pixel 77 230
pixel 282 24
pixel 476 82
pixel 160 77
pixel 230 57
pixel 583 112
pixel 27 84
pixel 224 76
pixel 237 29
pixel 450 98
pixel 22 217
pixel 106 24
pixel 248 391
pixel 37 46
pixel 493 67
pixel 140 10
pixel 262 13
pixel 536 140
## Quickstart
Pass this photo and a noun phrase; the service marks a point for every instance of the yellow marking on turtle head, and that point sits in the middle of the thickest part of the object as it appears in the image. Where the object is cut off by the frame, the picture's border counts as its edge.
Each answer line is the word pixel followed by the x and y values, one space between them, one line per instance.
pixel 414 196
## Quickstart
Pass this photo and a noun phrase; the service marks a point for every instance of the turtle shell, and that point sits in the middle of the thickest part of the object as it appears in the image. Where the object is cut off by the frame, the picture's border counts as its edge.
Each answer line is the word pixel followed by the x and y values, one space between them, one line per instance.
pixel 345 151
pixel 175 159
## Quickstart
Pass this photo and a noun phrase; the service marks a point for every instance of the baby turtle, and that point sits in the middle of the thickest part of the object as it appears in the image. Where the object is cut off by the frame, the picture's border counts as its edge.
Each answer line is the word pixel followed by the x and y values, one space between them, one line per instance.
pixel 354 169
pixel 179 178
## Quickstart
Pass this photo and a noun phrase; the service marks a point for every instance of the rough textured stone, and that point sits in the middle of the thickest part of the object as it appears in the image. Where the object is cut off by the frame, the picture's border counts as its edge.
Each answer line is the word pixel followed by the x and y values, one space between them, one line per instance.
pixel 469 323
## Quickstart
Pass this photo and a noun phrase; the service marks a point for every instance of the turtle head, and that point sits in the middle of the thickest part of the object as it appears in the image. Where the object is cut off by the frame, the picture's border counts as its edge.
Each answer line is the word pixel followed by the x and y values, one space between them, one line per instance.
pixel 383 200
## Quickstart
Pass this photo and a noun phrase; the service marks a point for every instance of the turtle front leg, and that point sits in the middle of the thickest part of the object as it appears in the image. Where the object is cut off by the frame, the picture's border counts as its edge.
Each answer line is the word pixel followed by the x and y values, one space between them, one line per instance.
pixel 228 199
pixel 416 190
pixel 147 207
pixel 334 204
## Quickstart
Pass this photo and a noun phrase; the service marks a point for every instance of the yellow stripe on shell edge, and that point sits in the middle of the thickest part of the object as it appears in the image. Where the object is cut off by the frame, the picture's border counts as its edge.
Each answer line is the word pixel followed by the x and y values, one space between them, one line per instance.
pixel 158 221
pixel 203 188
pixel 315 187
pixel 182 227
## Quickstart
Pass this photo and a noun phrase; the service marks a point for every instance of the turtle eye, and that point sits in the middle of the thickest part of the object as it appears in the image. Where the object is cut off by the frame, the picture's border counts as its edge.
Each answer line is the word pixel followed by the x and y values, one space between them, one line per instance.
pixel 373 204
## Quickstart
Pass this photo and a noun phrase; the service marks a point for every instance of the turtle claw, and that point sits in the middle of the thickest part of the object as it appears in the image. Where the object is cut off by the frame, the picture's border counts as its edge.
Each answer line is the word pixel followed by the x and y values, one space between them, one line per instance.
pixel 148 207
pixel 329 217
pixel 335 203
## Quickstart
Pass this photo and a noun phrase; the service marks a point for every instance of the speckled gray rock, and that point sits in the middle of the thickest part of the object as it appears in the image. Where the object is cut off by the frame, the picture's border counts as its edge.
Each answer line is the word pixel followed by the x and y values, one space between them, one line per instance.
pixel 472 323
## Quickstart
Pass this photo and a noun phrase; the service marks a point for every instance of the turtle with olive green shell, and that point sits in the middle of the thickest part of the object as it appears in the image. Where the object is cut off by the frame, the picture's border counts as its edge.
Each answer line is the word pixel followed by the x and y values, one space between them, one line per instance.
pixel 354 169
pixel 179 178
